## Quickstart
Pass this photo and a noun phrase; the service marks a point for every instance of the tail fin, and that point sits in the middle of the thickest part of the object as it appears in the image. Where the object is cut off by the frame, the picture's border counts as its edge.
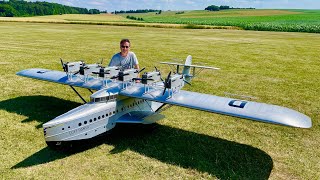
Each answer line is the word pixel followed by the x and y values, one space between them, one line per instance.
pixel 186 69
pixel 189 70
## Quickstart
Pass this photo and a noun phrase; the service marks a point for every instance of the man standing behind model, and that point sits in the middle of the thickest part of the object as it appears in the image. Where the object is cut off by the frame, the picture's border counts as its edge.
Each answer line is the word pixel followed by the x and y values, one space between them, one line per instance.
pixel 125 59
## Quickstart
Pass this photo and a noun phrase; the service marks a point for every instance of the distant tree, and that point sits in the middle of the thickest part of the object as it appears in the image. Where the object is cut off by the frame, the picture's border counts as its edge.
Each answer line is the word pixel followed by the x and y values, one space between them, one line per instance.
pixel 134 18
pixel 212 8
pixel 94 11
pixel 224 7
pixel 136 11
pixel 7 11
pixel 24 8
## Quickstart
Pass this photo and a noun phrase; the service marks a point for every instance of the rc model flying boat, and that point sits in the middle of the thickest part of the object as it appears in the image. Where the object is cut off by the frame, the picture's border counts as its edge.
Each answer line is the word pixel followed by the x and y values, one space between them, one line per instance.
pixel 121 96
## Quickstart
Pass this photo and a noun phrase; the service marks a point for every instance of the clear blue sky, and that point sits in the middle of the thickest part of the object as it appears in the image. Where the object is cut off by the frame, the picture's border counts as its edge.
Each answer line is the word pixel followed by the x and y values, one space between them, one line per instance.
pixel 111 5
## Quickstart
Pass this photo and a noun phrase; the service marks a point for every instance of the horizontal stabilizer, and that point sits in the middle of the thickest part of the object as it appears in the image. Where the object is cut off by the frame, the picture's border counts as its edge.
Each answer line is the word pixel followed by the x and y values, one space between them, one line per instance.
pixel 195 66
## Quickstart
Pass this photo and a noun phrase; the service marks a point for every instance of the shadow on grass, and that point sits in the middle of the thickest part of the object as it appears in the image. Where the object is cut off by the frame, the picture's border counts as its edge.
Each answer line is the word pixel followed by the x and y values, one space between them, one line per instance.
pixel 218 157
pixel 38 108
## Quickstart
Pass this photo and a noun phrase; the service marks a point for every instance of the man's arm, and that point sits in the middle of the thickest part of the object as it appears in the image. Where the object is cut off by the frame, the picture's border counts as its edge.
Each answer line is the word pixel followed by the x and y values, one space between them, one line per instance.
pixel 137 66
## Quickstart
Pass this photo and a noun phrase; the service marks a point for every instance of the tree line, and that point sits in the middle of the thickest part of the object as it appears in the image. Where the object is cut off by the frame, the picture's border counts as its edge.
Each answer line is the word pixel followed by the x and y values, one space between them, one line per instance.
pixel 16 8
pixel 218 8
pixel 136 11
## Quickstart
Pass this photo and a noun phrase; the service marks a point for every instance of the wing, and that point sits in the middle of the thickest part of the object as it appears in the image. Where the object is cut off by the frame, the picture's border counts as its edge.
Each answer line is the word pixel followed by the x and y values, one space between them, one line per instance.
pixel 221 105
pixel 62 78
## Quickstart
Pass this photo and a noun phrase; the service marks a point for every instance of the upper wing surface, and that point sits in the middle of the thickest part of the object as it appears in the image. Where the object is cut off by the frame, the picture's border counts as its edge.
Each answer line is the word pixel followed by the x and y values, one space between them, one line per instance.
pixel 227 106
pixel 62 78
pixel 233 107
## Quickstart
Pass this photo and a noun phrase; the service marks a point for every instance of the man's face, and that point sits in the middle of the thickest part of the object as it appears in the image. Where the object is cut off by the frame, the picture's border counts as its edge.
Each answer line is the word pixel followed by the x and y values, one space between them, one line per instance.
pixel 125 47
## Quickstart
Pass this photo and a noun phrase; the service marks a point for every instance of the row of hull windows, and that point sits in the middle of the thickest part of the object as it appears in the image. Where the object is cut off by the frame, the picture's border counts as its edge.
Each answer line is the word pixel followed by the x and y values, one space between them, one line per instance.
pixel 94 119
pixel 133 104
pixel 99 117
pixel 108 114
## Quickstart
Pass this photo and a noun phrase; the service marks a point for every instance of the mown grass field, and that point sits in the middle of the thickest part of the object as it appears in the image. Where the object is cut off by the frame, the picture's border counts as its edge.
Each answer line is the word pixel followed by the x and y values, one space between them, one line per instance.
pixel 275 67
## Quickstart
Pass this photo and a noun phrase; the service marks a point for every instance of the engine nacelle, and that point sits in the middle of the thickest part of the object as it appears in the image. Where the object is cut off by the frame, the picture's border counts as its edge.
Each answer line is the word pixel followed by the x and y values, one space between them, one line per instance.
pixel 128 75
pixel 73 67
pixel 151 77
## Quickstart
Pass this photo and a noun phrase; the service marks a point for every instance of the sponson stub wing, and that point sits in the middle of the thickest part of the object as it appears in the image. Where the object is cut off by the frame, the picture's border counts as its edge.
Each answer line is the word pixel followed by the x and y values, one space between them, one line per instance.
pixel 144 117
pixel 61 78
pixel 227 106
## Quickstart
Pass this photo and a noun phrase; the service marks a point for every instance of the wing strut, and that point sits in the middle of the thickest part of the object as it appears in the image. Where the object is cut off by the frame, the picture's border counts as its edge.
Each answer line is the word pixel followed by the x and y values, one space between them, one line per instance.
pixel 90 90
pixel 78 94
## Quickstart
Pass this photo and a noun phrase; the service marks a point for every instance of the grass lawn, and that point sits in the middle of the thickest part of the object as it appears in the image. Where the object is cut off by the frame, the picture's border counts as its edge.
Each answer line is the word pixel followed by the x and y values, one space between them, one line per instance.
pixel 275 67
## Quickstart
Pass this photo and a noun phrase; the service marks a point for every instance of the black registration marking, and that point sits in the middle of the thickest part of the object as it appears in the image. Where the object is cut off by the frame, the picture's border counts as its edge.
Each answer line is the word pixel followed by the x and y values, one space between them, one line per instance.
pixel 42 71
pixel 237 103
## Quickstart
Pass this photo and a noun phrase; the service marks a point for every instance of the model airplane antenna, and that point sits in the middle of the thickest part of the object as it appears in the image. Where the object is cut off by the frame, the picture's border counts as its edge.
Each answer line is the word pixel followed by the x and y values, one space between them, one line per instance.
pixel 240 96
pixel 101 61
pixel 157 70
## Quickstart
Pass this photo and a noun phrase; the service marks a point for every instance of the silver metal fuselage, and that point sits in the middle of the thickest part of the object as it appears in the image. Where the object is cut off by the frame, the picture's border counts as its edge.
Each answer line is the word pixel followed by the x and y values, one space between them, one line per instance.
pixel 94 118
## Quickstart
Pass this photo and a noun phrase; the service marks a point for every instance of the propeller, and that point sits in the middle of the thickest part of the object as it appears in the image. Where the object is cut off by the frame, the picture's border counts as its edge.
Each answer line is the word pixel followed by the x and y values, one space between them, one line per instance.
pixel 82 68
pixel 141 70
pixel 141 79
pixel 166 83
pixel 121 75
pixel 101 72
pixel 63 65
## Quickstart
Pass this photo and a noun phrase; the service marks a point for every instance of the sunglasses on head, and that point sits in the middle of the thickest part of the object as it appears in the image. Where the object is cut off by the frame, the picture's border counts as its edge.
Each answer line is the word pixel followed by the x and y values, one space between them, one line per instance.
pixel 125 46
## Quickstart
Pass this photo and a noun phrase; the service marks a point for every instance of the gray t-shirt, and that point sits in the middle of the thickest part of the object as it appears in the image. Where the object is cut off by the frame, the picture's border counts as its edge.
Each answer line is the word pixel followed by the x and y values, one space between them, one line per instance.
pixel 124 62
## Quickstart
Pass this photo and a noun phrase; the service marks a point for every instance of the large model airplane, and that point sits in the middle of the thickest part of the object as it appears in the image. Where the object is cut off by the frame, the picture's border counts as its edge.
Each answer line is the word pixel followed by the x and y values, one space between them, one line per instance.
pixel 123 97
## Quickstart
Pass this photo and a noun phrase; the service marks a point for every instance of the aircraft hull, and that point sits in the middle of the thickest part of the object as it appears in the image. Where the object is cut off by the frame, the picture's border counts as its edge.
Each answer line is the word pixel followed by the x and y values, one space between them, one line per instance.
pixel 92 119
pixel 83 122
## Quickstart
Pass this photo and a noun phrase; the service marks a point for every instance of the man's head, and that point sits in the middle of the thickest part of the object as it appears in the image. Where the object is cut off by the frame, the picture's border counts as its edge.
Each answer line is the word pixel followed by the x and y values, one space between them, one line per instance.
pixel 124 46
